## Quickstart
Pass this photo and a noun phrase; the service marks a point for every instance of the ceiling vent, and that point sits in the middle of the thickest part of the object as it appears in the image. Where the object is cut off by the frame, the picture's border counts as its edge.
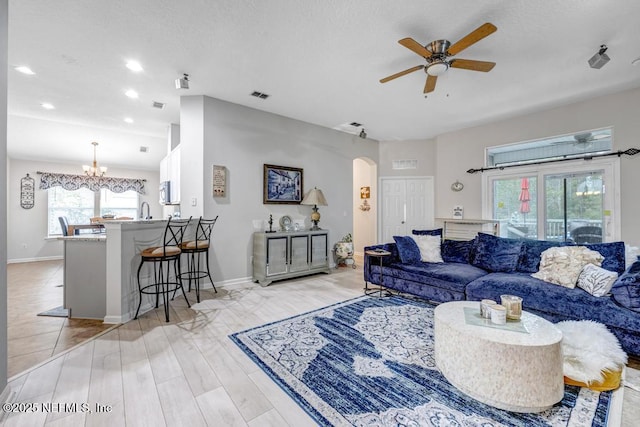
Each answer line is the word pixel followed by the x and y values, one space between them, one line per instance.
pixel 158 105
pixel 144 149
pixel 355 124
pixel 260 95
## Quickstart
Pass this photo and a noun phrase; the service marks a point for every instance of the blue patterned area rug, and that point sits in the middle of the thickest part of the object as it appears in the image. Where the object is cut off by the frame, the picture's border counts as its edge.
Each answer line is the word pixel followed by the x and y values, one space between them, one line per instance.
pixel 370 362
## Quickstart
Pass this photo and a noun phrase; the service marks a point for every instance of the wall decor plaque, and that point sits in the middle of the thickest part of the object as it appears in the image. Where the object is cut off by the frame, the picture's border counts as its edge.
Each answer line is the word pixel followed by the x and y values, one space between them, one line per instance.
pixel 27 196
pixel 219 181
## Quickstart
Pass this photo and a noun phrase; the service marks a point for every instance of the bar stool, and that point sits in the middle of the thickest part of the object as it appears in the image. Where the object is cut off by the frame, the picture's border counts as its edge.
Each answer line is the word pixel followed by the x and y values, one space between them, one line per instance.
pixel 162 257
pixel 193 249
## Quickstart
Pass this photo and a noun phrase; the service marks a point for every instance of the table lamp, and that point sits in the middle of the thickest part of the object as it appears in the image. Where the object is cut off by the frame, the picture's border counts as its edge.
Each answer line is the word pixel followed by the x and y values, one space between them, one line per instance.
pixel 315 198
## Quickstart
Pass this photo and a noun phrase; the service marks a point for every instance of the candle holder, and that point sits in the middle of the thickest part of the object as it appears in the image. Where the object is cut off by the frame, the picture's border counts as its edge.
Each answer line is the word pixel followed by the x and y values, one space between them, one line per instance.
pixel 513 304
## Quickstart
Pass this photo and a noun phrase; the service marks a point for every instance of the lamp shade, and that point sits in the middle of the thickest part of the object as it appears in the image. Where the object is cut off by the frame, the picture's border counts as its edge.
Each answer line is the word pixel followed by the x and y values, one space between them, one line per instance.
pixel 314 197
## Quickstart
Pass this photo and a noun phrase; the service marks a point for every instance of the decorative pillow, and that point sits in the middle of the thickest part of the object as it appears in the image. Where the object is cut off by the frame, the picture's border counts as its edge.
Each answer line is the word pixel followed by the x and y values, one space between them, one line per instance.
pixel 563 265
pixel 434 232
pixel 429 248
pixel 407 249
pixel 456 250
pixel 626 290
pixel 494 253
pixel 596 280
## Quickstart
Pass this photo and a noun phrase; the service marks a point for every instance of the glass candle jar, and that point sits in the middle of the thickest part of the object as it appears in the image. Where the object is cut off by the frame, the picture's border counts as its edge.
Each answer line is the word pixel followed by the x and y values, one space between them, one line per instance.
pixel 513 304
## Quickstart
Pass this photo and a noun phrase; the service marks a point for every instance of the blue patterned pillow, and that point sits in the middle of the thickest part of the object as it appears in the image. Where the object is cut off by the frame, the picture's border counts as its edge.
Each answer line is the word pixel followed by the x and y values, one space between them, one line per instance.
pixel 434 232
pixel 407 249
pixel 494 253
pixel 456 250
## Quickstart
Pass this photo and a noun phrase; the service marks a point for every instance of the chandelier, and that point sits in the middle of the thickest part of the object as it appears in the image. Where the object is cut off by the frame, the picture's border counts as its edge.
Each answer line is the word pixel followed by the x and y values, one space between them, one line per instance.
pixel 94 170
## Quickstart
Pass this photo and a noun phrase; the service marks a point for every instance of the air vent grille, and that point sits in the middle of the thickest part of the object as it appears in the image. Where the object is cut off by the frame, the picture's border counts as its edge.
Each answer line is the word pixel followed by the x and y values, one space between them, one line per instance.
pixel 159 105
pixel 405 164
pixel 355 124
pixel 260 95
pixel 144 149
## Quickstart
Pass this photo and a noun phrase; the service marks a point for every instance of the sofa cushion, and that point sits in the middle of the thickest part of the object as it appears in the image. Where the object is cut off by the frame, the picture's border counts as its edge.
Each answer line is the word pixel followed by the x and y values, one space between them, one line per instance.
pixel 555 300
pixel 613 253
pixel 596 280
pixel 407 249
pixel 626 290
pixel 529 261
pixel 493 253
pixel 453 276
pixel 456 250
pixel 429 247
pixel 434 232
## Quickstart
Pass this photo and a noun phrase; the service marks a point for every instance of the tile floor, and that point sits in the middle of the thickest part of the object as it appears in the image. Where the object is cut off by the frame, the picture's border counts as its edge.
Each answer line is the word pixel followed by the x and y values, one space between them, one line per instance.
pixel 187 372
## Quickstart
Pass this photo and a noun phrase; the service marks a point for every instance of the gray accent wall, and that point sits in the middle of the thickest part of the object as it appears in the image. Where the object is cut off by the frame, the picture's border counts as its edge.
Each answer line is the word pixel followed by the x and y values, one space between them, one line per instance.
pixel 243 139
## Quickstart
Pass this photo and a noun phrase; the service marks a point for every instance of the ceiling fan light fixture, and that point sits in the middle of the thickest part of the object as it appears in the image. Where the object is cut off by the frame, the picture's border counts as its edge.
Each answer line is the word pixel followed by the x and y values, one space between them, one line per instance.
pixel 437 68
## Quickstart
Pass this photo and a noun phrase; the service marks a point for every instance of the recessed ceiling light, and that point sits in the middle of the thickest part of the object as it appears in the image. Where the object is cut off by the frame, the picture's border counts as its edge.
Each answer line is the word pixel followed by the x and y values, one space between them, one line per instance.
pixel 131 93
pixel 134 66
pixel 25 70
pixel 47 106
pixel 128 119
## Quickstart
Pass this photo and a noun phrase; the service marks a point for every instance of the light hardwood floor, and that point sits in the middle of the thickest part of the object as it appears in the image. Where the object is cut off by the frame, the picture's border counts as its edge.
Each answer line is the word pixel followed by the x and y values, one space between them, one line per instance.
pixel 188 372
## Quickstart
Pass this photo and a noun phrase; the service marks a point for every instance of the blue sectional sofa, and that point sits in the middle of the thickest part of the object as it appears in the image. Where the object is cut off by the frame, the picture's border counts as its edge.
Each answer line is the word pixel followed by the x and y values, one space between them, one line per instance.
pixel 490 266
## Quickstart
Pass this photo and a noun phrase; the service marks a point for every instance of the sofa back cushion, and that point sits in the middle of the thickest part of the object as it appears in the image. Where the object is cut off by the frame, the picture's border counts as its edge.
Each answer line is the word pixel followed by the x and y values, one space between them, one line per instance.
pixel 408 249
pixel 493 253
pixel 456 250
pixel 434 232
pixel 529 261
pixel 626 290
pixel 613 253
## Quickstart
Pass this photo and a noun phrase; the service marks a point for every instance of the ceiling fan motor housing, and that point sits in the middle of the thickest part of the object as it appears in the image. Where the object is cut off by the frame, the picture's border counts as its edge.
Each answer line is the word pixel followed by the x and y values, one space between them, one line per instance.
pixel 438 47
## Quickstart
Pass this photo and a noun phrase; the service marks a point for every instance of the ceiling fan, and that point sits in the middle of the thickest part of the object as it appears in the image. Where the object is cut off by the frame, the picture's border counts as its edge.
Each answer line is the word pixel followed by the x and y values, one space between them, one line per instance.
pixel 437 55
pixel 584 139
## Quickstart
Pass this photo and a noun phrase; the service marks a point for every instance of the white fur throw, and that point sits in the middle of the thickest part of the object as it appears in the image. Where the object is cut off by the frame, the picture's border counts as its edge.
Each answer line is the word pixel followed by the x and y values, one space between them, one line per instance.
pixel 589 349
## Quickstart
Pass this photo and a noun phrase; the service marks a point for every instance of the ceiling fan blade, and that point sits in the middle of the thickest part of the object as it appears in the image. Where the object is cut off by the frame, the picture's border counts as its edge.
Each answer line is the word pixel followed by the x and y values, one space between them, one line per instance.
pixel 430 85
pixel 470 64
pixel 402 73
pixel 413 45
pixel 474 36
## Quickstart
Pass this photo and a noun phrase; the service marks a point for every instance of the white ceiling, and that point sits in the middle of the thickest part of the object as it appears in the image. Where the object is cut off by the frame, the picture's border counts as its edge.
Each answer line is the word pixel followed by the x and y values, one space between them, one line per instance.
pixel 320 60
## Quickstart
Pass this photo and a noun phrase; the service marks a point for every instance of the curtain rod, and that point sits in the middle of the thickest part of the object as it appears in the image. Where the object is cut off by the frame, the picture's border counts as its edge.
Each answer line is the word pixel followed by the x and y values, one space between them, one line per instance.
pixel 619 153
pixel 58 173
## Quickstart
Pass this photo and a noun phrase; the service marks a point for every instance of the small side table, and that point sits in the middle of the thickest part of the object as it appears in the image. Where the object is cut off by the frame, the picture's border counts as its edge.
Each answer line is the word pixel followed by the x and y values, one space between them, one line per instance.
pixel 380 254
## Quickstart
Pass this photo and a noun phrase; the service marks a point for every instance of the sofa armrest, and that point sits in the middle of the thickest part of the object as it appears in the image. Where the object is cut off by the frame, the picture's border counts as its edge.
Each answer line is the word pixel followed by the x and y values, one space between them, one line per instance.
pixel 369 261
pixel 626 289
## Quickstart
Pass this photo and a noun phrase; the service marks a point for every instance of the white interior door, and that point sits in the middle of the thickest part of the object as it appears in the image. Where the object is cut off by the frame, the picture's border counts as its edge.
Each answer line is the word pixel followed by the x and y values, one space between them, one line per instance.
pixel 406 204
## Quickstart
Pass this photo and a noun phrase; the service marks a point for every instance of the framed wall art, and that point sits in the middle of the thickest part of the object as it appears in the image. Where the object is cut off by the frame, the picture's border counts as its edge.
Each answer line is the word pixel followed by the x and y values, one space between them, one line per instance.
pixel 219 181
pixel 282 185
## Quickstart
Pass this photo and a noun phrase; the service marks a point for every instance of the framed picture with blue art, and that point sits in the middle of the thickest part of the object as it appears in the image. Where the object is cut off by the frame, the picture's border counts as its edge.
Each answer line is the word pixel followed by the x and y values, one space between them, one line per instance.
pixel 282 185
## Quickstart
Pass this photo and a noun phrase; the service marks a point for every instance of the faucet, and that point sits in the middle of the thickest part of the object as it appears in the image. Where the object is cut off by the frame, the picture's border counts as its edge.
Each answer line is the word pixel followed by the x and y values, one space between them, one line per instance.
pixel 142 215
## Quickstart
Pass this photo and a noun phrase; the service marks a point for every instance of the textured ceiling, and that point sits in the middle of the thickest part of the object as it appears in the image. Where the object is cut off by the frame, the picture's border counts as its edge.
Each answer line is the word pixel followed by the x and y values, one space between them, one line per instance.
pixel 320 60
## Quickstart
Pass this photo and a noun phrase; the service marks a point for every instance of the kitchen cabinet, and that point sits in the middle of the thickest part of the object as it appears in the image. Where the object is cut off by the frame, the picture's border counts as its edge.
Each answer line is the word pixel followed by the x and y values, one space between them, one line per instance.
pixel 283 255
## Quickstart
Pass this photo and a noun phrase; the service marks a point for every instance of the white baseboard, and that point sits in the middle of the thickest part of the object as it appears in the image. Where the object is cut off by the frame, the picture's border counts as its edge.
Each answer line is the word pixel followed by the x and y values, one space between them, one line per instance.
pixel 44 258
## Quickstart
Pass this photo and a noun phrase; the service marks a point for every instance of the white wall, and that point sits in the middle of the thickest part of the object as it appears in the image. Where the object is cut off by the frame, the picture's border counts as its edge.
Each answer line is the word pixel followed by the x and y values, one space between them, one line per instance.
pixel 243 139
pixel 3 195
pixel 459 151
pixel 364 222
pixel 29 226
pixel 422 150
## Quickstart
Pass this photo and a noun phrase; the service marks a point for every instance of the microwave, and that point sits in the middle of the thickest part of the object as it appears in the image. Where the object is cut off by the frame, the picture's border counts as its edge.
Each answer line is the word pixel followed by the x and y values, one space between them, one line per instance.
pixel 165 193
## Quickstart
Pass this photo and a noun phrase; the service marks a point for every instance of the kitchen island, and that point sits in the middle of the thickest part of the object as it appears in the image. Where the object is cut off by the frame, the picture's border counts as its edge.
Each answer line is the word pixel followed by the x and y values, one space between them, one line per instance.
pixel 100 279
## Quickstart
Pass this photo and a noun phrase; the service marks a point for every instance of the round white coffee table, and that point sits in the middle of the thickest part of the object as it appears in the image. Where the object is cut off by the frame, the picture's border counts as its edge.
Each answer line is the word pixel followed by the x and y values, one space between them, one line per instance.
pixel 515 371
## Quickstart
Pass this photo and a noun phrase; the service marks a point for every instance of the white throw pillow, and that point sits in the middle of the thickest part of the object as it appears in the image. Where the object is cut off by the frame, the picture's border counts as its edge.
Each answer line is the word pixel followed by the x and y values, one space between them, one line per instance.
pixel 562 265
pixel 596 280
pixel 429 247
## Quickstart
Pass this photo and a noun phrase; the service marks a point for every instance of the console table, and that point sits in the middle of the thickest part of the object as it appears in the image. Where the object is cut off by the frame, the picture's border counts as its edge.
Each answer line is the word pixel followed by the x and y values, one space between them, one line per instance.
pixel 283 255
